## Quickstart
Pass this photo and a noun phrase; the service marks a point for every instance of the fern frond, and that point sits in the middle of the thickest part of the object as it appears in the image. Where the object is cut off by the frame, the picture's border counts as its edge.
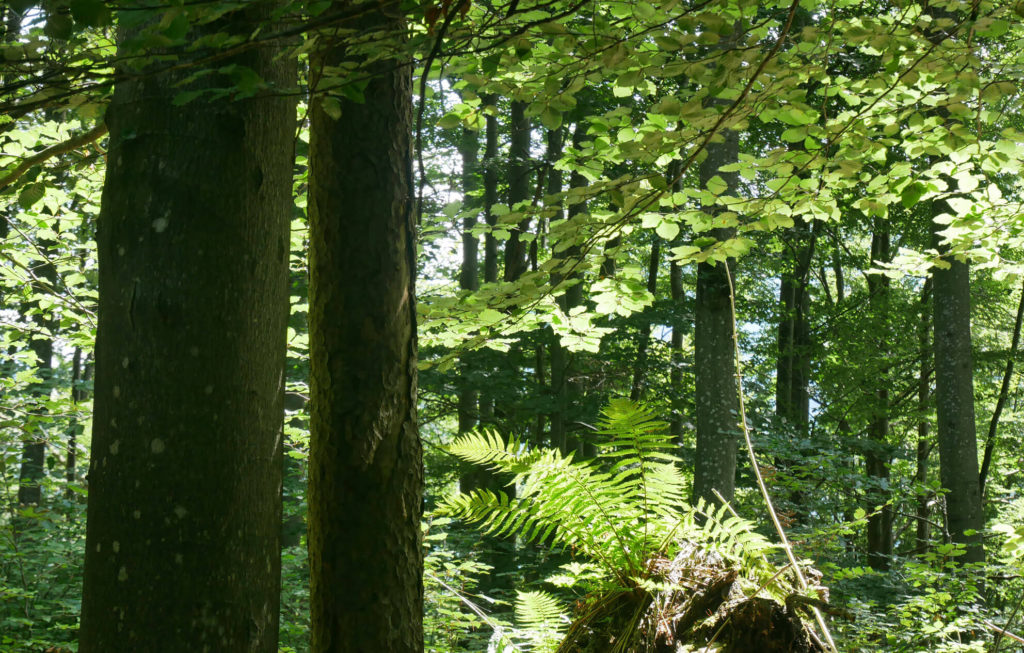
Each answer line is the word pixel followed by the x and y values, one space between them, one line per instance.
pixel 540 620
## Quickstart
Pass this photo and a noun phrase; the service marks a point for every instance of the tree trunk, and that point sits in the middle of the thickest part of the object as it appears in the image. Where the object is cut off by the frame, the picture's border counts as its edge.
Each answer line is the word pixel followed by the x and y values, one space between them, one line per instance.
pixel 469 273
pixel 954 401
pixel 182 550
pixel 717 401
pixel 640 366
pixel 876 454
pixel 365 467
pixel 518 189
pixel 924 446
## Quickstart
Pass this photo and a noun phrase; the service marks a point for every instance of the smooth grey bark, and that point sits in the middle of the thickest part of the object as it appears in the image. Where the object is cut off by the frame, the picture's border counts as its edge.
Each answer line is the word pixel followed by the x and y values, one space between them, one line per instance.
pixel 182 550
pixel 954 400
pixel 717 399
pixel 365 467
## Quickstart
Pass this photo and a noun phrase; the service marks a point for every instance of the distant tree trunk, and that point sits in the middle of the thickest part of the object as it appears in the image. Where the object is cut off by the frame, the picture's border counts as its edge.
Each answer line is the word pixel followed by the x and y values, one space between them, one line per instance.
pixel 563 384
pixel 717 401
pixel 924 445
pixel 33 450
pixel 1004 394
pixel 518 188
pixel 490 170
pixel 640 366
pixel 954 400
pixel 469 273
pixel 876 454
pixel 366 469
pixel 675 274
pixel 182 550
pixel 792 398
pixel 81 372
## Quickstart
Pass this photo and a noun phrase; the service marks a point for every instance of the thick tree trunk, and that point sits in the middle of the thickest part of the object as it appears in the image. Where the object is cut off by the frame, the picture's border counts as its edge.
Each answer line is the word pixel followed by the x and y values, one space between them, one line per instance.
pixel 365 467
pixel 182 549
pixel 717 400
pixel 876 454
pixel 954 402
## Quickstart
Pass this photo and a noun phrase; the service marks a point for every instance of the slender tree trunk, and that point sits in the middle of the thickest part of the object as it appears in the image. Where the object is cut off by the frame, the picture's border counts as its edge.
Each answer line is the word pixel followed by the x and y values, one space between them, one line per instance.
pixel 563 384
pixel 182 550
pixel 924 446
pixel 954 401
pixel 675 274
pixel 518 188
pixel 490 170
pixel 33 450
pixel 469 273
pixel 876 455
pixel 81 372
pixel 366 469
pixel 640 366
pixel 717 401
pixel 1004 394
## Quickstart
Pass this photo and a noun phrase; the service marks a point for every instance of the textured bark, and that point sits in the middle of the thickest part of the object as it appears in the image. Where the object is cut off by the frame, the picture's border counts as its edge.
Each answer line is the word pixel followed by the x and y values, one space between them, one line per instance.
pixel 490 166
pixel 876 455
pixel 33 451
pixel 182 550
pixel 675 425
pixel 365 468
pixel 954 402
pixel 81 372
pixel 717 400
pixel 792 397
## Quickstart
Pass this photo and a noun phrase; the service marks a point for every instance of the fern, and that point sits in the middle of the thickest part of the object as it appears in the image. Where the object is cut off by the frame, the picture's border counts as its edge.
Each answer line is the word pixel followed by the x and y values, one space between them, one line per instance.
pixel 625 511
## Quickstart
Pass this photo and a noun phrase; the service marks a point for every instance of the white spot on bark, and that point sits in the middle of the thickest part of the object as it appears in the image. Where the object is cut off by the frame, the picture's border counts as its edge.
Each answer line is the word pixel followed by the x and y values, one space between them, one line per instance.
pixel 208 389
pixel 193 350
pixel 159 225
pixel 124 362
pixel 180 511
pixel 120 251
pixel 122 574
pixel 114 447
pixel 178 558
pixel 99 546
pixel 117 391
pixel 117 546
pixel 157 445
pixel 137 514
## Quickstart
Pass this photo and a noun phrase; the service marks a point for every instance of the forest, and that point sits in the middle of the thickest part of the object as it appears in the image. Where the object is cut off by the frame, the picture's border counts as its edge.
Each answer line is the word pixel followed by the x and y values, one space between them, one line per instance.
pixel 511 325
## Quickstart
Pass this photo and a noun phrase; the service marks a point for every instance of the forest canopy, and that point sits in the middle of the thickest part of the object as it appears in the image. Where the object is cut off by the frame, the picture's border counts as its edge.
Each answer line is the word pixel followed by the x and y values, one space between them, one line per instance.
pixel 460 325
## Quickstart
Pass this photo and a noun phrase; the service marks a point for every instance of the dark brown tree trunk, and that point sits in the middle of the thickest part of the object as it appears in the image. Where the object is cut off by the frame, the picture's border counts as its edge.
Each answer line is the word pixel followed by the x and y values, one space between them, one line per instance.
pixel 81 372
pixel 182 550
pixel 876 454
pixel 954 400
pixel 676 352
pixel 33 451
pixel 365 467
pixel 490 168
pixel 717 400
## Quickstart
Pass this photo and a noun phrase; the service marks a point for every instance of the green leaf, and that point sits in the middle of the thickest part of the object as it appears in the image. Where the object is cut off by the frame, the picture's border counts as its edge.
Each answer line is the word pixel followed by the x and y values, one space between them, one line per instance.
pixel 667 230
pixel 551 118
pixel 911 194
pixel 449 121
pixel 30 195
pixel 59 27
pixel 331 106
pixel 717 185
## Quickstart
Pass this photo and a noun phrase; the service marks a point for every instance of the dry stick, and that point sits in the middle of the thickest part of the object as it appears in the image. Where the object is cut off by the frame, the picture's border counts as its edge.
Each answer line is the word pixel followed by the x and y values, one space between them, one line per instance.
pixel 757 470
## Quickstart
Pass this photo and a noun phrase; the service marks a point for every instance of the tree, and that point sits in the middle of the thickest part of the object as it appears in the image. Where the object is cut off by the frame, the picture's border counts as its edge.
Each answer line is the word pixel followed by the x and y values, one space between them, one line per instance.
pixel 185 477
pixel 366 475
